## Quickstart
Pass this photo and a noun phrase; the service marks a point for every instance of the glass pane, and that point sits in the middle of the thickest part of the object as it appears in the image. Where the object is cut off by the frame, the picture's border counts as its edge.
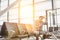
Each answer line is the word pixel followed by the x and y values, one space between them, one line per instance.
pixel 1 22
pixel 4 4
pixel 57 3
pixel 52 18
pixel 4 17
pixel 27 21
pixel 40 8
pixel 26 15
pixel 13 13
pixel 13 21
pixel 43 6
pixel 25 2
pixel 26 12
pixel 58 17
pixel 11 1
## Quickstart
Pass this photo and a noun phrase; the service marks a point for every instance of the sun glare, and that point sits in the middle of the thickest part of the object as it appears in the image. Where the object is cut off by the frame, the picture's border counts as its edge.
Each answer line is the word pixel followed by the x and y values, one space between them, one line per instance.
pixel 26 15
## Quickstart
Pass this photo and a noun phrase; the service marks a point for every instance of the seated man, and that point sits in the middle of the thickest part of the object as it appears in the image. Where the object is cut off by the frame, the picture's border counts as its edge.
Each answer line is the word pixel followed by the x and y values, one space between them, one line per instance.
pixel 38 23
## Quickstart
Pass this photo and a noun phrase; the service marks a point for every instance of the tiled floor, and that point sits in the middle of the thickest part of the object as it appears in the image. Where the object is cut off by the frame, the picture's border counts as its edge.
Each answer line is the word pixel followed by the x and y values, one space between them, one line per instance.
pixel 25 39
pixel 30 38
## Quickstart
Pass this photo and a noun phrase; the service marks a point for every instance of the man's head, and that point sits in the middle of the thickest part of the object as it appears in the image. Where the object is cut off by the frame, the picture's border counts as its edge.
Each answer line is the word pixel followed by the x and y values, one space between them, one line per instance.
pixel 41 17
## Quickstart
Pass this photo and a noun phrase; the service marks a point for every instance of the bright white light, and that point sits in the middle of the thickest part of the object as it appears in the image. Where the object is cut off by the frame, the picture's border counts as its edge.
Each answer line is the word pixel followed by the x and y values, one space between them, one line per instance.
pixel 26 14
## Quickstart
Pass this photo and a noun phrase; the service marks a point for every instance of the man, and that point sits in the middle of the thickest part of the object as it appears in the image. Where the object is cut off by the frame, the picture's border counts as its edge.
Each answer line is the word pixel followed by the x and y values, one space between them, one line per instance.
pixel 37 26
pixel 38 23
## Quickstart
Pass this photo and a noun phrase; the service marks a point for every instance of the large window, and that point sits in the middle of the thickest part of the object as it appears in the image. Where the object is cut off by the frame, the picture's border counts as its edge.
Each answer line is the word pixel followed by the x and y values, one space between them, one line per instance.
pixel 26 10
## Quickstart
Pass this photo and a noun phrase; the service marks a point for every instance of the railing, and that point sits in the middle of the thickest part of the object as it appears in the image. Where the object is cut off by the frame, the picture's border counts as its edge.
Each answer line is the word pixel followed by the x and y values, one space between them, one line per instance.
pixel 52 17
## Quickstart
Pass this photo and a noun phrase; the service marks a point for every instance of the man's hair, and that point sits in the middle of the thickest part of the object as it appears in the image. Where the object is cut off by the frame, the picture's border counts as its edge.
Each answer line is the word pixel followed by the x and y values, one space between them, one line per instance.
pixel 41 17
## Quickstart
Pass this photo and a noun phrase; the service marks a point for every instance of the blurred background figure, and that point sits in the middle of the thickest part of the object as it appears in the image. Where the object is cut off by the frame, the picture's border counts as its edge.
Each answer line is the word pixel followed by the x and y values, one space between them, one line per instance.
pixel 38 23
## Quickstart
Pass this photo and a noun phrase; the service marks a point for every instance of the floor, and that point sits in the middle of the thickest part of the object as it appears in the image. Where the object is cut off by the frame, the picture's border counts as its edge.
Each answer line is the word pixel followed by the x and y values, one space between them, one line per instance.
pixel 31 38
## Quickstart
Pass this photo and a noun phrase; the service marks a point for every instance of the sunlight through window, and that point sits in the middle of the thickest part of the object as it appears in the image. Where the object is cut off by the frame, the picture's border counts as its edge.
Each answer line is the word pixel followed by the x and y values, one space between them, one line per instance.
pixel 26 15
